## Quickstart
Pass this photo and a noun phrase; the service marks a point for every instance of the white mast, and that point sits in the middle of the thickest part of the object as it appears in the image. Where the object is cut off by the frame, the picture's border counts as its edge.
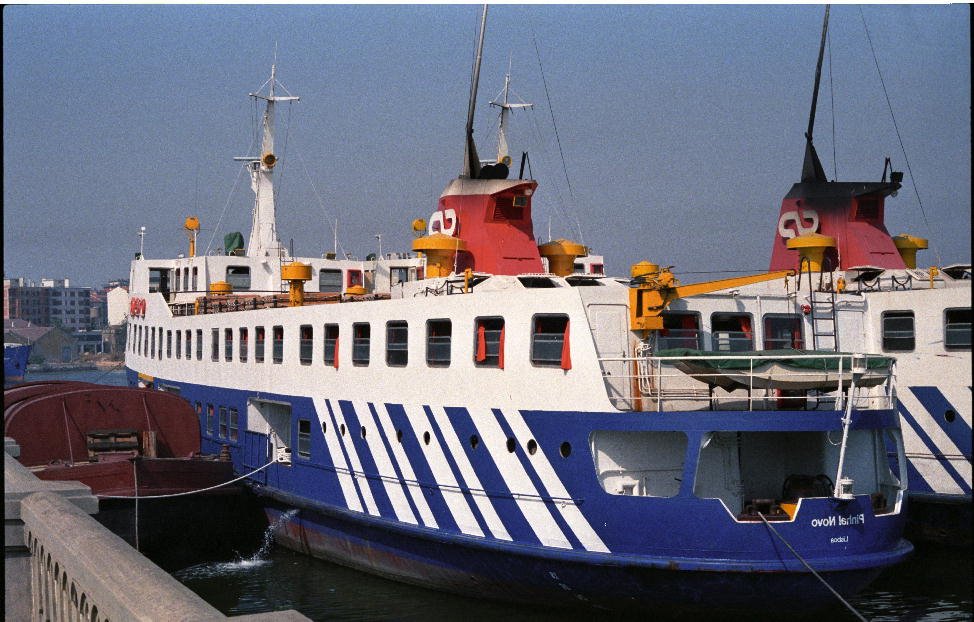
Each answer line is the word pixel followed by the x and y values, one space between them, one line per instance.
pixel 506 107
pixel 263 232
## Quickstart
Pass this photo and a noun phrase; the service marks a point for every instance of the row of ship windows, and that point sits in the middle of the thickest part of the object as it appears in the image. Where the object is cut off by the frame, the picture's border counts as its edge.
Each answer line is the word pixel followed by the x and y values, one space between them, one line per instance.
pixel 227 427
pixel 734 331
pixel 550 343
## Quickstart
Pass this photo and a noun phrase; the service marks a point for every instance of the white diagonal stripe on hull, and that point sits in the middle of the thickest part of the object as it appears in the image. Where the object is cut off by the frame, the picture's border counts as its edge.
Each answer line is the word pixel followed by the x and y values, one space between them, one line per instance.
pixel 445 481
pixel 405 467
pixel 929 467
pixel 546 473
pixel 356 464
pixel 337 457
pixel 516 478
pixel 383 463
pixel 455 447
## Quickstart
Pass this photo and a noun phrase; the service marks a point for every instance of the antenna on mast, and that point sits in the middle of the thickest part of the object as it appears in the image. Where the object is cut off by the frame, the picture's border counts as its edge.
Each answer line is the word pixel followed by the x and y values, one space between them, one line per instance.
pixel 502 102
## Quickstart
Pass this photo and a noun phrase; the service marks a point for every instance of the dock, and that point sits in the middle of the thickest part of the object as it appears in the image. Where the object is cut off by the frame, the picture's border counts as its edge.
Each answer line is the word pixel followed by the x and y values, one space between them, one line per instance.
pixel 61 564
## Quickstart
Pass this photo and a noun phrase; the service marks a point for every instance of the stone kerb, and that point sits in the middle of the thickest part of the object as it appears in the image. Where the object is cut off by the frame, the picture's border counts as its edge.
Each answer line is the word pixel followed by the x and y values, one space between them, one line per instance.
pixel 87 562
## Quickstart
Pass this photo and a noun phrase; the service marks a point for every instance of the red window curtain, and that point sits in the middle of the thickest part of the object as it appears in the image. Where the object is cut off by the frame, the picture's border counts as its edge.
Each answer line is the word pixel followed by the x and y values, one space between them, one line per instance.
pixel 500 350
pixel 566 350
pixel 335 362
pixel 481 343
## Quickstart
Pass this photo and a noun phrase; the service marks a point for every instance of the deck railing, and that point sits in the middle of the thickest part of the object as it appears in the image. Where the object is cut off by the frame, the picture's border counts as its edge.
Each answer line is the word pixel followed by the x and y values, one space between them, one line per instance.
pixel 750 381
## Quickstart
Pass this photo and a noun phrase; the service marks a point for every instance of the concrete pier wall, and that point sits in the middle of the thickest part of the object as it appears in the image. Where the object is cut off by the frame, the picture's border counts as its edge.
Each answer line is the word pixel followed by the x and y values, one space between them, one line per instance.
pixel 61 564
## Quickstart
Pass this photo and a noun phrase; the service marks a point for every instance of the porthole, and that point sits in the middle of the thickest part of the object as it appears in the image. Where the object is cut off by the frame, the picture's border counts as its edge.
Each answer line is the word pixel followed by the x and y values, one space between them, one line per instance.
pixel 511 445
pixel 363 431
pixel 341 429
pixel 426 438
pixel 565 450
pixel 950 415
pixel 324 427
pixel 474 441
pixel 399 435
pixel 532 446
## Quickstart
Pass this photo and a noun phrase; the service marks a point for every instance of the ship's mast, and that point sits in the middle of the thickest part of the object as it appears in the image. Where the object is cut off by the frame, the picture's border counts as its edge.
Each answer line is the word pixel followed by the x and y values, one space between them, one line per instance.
pixel 263 232
pixel 471 161
pixel 505 106
pixel 812 170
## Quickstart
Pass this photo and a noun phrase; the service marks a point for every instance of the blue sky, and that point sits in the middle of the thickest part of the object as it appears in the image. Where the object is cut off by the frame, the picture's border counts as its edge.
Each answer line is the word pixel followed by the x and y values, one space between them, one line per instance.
pixel 681 126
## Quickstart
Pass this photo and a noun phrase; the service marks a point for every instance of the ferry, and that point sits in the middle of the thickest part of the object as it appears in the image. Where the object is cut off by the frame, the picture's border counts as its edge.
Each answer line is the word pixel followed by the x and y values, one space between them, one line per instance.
pixel 474 416
pixel 15 356
pixel 860 289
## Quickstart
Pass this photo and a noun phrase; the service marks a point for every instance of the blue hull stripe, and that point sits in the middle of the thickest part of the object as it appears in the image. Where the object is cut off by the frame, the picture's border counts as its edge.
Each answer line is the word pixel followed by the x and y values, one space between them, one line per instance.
pixel 497 493
pixel 368 464
pixel 397 470
pixel 520 452
pixel 937 405
pixel 454 451
pixel 358 503
pixel 422 470
pixel 931 447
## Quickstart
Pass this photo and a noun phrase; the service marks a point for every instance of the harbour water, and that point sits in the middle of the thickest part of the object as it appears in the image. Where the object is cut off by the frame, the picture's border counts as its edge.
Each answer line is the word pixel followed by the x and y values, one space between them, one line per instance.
pixel 934 585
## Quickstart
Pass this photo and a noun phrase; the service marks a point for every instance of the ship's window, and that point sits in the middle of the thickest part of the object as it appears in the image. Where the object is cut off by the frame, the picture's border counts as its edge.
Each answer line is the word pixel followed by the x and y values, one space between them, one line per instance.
pixel 168 344
pixel 957 329
pixel 223 421
pixel 331 345
pixel 244 345
pixel 732 332
pixel 186 278
pixel 398 275
pixel 639 464
pixel 199 410
pixel 195 275
pixel 234 424
pixel 306 343
pixel 783 332
pixel 178 279
pixel 259 344
pixel 330 281
pixel 210 419
pixel 489 345
pixel 397 344
pixel 520 201
pixel 304 438
pixel 159 354
pixel 598 268
pixel 361 336
pixel 681 329
pixel 228 344
pixel 199 344
pixel 583 281
pixel 215 344
pixel 550 345
pixel 278 345
pixel 539 282
pixel 238 277
pixel 179 344
pixel 438 336
pixel 898 331
pixel 355 278
pixel 189 344
pixel 159 280
pixel 152 341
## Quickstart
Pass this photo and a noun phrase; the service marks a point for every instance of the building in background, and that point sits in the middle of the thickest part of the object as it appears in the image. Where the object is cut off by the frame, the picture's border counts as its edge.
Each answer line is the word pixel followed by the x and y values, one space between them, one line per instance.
pixel 50 344
pixel 52 303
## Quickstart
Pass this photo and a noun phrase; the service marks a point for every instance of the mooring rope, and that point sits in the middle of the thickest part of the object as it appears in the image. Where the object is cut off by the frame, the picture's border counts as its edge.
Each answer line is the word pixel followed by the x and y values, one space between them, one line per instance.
pixel 189 492
pixel 812 570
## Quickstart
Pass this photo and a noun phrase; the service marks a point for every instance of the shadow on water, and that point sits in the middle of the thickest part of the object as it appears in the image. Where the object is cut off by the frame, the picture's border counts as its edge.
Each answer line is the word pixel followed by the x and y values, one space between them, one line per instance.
pixel 933 586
